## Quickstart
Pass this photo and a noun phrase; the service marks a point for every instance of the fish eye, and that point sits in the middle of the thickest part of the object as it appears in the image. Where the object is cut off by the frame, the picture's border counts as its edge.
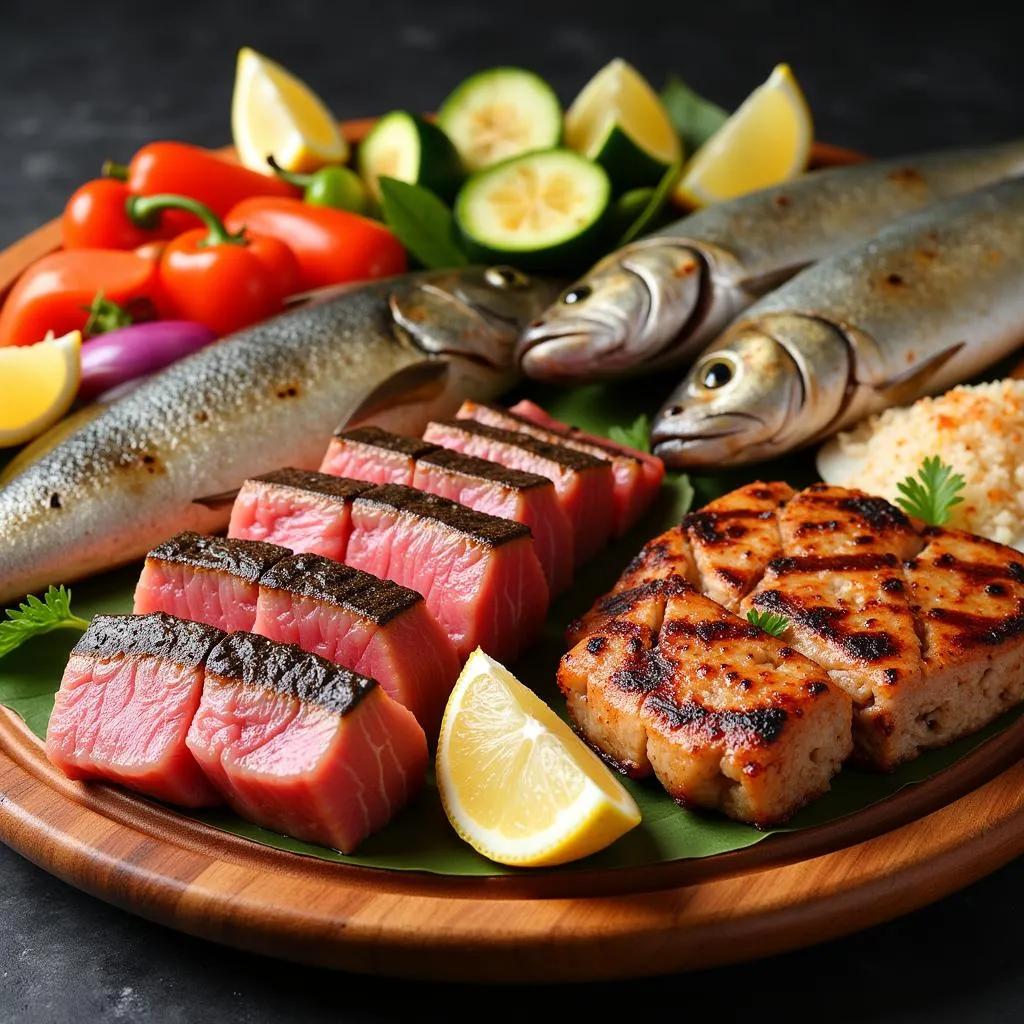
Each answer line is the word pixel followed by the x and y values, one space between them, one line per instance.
pixel 716 374
pixel 506 277
pixel 578 294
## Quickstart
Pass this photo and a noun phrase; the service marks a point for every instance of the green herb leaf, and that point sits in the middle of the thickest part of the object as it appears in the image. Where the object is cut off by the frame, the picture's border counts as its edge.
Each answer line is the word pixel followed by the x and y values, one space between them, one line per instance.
pixel 34 617
pixel 637 435
pixel 655 204
pixel 933 493
pixel 422 223
pixel 769 622
pixel 105 315
pixel 694 118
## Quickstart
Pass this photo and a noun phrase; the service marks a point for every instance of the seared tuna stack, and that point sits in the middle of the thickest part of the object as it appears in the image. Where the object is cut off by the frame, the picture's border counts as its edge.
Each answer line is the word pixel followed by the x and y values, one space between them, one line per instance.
pixel 369 453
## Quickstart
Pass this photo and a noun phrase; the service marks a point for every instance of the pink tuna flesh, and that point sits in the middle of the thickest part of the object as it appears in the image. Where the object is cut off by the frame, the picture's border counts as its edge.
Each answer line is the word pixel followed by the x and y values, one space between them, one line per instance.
pixel 129 692
pixel 303 747
pixel 373 626
pixel 369 453
pixel 296 509
pixel 479 574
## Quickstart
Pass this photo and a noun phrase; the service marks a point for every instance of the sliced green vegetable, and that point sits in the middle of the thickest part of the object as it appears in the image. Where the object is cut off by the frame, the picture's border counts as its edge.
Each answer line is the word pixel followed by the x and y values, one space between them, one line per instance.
pixel 694 118
pixel 933 493
pixel 422 223
pixel 501 113
pixel 407 148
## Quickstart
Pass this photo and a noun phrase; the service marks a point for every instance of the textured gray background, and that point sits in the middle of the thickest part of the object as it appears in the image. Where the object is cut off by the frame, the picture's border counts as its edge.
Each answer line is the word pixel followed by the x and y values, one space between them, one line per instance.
pixel 83 82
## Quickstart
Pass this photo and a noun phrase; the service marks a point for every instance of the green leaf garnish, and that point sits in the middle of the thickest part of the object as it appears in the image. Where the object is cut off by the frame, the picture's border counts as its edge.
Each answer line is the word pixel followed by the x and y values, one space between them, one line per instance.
pixel 637 435
pixel 422 223
pixel 693 117
pixel 769 622
pixel 932 493
pixel 34 617
pixel 655 204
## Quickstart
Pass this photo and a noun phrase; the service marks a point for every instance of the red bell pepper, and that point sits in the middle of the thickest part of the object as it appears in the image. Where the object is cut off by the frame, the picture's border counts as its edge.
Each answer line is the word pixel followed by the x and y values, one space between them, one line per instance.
pixel 96 217
pixel 332 246
pixel 221 279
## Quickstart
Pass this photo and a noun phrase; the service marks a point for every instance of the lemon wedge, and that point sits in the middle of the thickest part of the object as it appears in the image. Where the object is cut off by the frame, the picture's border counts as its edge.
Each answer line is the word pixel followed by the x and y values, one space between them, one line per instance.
pixel 765 142
pixel 619 121
pixel 38 383
pixel 273 113
pixel 516 782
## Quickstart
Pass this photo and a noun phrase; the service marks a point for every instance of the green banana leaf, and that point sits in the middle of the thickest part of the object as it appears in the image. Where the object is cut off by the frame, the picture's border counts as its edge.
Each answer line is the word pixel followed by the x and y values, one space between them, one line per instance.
pixel 420 837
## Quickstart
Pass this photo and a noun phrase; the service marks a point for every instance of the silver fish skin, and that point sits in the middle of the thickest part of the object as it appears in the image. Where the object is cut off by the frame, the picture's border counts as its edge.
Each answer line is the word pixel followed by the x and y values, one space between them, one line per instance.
pixel 396 353
pixel 931 301
pixel 655 303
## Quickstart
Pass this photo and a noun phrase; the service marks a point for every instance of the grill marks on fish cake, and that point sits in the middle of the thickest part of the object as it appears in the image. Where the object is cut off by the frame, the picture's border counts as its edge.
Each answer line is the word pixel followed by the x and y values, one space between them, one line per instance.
pixel 127 697
pixel 297 509
pixel 668 682
pixel 370 453
pixel 582 482
pixel 479 574
pixel 302 746
pixel 373 626
pixel 207 579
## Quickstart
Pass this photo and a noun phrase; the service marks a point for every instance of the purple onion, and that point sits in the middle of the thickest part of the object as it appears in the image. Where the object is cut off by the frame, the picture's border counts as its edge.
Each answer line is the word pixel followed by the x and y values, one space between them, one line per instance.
pixel 118 356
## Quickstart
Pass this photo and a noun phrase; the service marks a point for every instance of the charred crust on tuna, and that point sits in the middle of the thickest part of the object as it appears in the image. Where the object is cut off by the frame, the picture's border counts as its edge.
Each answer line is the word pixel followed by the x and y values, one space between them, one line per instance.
pixel 375 437
pixel 483 469
pixel 570 458
pixel 259 663
pixel 249 560
pixel 157 635
pixel 322 484
pixel 486 529
pixel 758 726
pixel 323 579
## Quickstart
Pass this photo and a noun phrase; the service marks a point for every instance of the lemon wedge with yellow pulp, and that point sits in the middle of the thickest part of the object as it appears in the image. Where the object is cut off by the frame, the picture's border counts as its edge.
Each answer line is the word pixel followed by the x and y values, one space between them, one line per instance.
pixel 273 113
pixel 38 383
pixel 619 121
pixel 766 142
pixel 516 782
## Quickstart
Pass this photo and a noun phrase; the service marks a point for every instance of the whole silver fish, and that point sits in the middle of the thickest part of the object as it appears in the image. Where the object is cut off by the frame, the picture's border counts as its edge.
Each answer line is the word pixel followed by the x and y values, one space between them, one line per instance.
pixel 657 302
pixel 395 353
pixel 932 300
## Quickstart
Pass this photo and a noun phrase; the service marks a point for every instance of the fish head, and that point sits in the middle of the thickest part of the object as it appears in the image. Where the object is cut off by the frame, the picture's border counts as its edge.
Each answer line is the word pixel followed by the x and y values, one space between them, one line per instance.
pixel 767 385
pixel 618 317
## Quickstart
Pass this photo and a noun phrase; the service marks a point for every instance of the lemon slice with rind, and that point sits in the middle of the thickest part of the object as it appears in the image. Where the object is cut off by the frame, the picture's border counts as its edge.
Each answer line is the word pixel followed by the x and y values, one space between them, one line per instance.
pixel 516 782
pixel 619 121
pixel 38 383
pixel 765 142
pixel 273 113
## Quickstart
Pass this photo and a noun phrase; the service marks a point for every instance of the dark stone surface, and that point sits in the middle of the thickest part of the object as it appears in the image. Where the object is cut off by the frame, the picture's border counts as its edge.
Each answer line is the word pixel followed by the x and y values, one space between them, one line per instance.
pixel 83 82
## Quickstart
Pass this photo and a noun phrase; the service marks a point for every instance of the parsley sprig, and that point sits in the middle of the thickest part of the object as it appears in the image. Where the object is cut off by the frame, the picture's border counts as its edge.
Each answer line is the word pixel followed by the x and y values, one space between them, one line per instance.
pixel 769 622
pixel 931 494
pixel 34 617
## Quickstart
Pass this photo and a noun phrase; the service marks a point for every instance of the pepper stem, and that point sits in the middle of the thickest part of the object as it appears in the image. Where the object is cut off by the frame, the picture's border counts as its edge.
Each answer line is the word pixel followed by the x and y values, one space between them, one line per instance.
pixel 113 170
pixel 293 178
pixel 141 209
pixel 105 315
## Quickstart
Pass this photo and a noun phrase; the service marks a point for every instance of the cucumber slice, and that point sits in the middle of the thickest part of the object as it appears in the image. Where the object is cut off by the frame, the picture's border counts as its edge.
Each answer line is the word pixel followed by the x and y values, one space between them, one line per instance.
pixel 500 113
pixel 540 211
pixel 403 146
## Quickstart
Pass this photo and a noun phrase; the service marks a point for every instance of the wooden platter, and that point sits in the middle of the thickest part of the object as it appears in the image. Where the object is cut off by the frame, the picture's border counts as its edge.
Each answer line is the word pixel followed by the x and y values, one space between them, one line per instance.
pixel 787 891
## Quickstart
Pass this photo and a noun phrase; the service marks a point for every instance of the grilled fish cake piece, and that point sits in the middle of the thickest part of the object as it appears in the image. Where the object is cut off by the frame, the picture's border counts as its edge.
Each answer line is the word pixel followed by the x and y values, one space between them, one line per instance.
pixel 725 716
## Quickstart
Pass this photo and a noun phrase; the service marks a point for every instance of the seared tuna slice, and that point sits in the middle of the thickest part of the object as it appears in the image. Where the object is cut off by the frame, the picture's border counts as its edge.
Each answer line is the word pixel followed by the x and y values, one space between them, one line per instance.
pixel 479 574
pixel 129 692
pixel 207 579
pixel 526 498
pixel 297 509
pixel 635 481
pixel 374 627
pixel 724 715
pixel 369 453
pixel 583 483
pixel 302 746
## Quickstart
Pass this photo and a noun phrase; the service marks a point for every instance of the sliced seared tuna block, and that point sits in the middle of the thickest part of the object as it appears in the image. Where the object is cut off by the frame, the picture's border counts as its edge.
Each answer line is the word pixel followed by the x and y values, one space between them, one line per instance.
pixel 125 704
pixel 374 627
pixel 369 453
pixel 479 574
pixel 582 482
pixel 207 579
pixel 637 475
pixel 297 509
pixel 302 746
pixel 527 498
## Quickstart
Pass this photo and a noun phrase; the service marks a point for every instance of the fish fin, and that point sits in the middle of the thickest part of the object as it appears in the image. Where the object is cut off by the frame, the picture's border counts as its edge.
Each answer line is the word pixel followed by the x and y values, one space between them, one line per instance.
pixel 910 385
pixel 217 501
pixel 772 279
pixel 417 382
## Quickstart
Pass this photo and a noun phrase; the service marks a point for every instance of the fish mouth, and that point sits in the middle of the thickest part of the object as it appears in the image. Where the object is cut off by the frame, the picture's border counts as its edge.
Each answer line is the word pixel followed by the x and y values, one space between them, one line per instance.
pixel 565 351
pixel 707 441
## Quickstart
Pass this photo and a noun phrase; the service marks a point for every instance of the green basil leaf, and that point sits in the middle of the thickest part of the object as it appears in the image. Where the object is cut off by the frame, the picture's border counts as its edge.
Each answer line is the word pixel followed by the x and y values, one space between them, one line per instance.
pixel 422 223
pixel 695 118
